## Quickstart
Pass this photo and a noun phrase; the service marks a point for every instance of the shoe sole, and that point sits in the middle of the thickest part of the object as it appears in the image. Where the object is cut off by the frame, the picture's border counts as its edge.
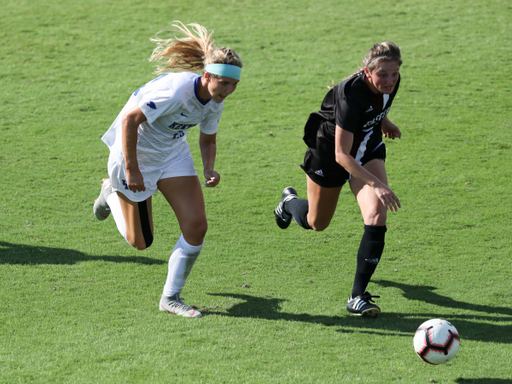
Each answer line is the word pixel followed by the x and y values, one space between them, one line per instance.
pixel 97 212
pixel 372 312
pixel 193 314
pixel 283 224
pixel 99 215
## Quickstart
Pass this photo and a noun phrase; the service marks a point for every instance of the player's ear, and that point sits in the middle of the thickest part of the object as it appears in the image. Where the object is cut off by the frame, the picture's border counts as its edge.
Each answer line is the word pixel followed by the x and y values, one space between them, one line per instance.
pixel 207 77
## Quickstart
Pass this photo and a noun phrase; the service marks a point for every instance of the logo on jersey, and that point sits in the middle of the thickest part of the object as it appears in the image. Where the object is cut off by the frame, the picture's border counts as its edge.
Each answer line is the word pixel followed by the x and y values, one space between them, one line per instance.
pixel 151 105
pixel 125 184
pixel 182 114
pixel 181 126
pixel 377 118
pixel 369 109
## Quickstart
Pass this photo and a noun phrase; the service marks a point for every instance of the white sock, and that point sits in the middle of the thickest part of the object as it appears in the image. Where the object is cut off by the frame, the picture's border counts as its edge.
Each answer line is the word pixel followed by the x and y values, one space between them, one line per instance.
pixel 117 213
pixel 181 262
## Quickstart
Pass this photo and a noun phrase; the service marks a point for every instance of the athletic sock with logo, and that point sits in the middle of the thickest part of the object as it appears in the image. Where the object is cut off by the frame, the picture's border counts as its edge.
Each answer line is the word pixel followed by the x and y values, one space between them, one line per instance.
pixel 117 213
pixel 181 262
pixel 368 256
pixel 299 209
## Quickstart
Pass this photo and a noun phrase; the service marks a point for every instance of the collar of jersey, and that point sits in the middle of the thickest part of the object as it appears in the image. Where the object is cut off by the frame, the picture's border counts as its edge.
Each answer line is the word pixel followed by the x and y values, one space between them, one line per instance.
pixel 197 94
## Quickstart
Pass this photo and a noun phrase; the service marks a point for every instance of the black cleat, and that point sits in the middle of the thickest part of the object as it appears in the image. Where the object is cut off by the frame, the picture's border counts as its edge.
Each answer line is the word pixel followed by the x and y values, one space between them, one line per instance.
pixel 362 305
pixel 283 219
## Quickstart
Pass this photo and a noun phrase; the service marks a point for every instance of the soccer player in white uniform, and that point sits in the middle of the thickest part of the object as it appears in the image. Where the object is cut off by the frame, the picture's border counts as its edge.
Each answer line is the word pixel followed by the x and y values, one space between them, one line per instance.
pixel 345 144
pixel 149 150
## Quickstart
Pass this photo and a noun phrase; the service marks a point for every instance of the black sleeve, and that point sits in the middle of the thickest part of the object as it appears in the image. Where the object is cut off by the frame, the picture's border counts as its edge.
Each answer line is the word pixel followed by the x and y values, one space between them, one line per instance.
pixel 347 114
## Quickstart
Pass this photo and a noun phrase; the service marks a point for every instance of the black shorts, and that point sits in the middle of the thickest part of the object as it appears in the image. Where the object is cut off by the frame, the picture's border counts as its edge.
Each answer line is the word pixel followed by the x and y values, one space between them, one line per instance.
pixel 328 173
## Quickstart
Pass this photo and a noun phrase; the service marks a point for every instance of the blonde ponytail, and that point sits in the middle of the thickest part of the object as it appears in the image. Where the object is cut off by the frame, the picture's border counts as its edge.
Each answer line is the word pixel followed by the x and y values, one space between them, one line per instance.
pixel 192 52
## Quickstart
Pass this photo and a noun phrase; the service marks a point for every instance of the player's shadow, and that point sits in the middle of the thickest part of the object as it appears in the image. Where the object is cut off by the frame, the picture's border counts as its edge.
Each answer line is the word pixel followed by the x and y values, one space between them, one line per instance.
pixel 267 308
pixel 29 255
pixel 472 327
pixel 426 294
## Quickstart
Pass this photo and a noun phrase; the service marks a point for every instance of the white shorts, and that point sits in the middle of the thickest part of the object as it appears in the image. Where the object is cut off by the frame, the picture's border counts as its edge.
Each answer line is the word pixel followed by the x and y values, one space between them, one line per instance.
pixel 117 173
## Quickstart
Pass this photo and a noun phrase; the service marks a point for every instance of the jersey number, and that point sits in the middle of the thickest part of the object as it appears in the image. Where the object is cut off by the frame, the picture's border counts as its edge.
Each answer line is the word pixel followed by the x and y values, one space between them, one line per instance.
pixel 178 135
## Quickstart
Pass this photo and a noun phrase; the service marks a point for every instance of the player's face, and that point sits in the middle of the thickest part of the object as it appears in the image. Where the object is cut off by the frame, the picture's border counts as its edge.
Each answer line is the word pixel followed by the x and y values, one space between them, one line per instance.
pixel 220 88
pixel 383 78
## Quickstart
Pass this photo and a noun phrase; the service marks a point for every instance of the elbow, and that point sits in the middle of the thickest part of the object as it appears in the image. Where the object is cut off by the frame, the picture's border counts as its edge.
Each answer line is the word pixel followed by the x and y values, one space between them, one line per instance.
pixel 129 120
pixel 125 121
pixel 340 159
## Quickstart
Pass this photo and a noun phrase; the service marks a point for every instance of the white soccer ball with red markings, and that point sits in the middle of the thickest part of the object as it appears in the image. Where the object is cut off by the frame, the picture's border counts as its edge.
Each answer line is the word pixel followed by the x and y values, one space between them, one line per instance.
pixel 436 341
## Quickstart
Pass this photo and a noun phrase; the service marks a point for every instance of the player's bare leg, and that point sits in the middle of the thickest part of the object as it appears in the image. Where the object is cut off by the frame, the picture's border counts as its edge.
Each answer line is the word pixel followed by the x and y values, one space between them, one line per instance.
pixel 185 196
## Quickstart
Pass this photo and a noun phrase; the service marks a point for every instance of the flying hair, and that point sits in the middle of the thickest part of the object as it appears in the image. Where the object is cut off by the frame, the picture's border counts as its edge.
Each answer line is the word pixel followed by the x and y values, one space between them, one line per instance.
pixel 192 52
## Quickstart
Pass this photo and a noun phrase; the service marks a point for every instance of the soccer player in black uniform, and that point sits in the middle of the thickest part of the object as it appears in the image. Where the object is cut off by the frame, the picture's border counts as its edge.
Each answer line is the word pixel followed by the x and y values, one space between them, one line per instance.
pixel 344 142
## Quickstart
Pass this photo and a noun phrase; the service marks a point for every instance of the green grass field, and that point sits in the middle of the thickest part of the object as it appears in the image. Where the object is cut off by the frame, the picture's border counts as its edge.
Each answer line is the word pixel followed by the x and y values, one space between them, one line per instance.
pixel 78 305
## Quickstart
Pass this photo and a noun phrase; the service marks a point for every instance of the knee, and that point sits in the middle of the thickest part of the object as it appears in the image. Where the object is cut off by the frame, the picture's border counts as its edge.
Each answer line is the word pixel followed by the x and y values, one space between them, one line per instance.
pixel 200 227
pixel 376 218
pixel 140 243
pixel 195 229
pixel 318 226
pixel 140 247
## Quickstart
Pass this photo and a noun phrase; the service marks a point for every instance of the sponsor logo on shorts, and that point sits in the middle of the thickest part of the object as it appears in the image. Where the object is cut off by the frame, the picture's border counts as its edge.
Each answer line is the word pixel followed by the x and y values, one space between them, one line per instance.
pixel 319 173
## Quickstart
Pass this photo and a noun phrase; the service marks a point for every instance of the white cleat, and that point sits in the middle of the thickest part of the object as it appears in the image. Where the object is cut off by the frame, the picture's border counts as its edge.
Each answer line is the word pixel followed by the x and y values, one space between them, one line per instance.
pixel 101 209
pixel 175 304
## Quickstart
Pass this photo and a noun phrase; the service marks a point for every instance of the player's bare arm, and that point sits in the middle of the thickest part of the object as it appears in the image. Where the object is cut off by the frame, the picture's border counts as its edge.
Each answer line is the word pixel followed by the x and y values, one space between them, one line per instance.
pixel 208 146
pixel 344 140
pixel 131 122
pixel 390 130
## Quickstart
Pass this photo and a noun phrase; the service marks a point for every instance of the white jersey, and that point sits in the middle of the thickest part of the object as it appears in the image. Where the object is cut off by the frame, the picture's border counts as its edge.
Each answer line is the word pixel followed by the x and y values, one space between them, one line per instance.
pixel 172 106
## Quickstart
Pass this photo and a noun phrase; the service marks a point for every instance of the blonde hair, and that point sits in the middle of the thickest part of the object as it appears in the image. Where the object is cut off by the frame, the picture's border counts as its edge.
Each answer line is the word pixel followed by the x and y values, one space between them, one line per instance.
pixel 380 52
pixel 192 52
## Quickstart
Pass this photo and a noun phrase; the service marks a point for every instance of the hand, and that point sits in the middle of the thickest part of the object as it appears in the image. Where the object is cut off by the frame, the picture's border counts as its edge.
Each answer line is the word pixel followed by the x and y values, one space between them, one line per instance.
pixel 135 181
pixel 212 178
pixel 390 130
pixel 388 198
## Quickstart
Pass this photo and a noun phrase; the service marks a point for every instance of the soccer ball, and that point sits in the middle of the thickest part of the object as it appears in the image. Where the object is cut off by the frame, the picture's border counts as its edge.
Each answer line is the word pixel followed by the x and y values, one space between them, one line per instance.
pixel 436 341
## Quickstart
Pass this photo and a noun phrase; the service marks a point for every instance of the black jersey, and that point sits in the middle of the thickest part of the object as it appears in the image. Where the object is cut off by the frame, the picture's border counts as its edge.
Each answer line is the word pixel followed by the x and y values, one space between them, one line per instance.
pixel 354 107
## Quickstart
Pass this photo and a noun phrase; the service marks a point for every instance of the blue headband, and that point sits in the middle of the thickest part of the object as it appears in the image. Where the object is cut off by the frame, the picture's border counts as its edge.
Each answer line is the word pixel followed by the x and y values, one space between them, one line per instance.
pixel 226 70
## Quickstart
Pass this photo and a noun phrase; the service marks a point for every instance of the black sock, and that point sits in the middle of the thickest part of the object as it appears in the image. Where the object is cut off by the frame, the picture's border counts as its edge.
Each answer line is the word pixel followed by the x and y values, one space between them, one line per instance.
pixel 368 256
pixel 299 209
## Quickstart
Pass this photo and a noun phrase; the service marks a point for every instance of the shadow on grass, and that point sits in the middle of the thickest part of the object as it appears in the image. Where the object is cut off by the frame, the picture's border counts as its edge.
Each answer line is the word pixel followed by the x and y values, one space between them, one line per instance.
pixel 471 327
pixel 426 294
pixel 30 255
pixel 268 308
